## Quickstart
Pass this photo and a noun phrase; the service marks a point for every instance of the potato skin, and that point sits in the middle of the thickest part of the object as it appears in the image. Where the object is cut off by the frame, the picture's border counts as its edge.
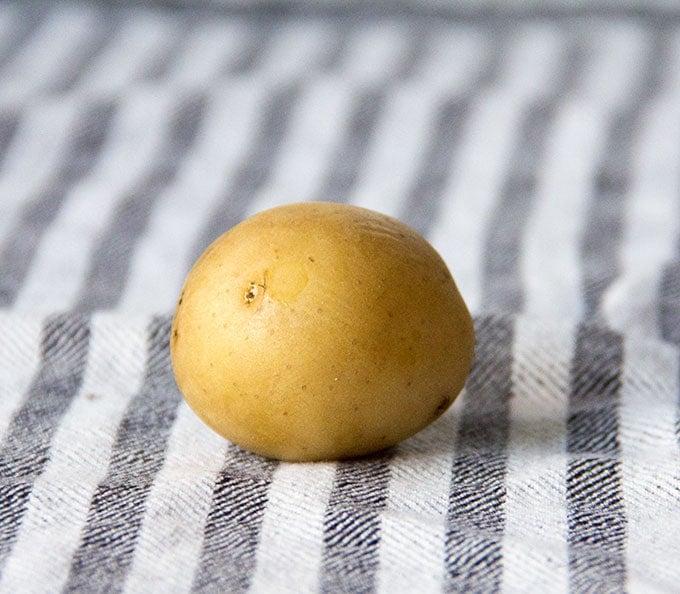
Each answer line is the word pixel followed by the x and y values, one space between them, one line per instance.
pixel 320 331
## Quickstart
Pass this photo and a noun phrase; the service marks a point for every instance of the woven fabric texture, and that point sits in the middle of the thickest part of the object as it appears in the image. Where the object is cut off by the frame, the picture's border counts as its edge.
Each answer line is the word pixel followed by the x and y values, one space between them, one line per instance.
pixel 539 154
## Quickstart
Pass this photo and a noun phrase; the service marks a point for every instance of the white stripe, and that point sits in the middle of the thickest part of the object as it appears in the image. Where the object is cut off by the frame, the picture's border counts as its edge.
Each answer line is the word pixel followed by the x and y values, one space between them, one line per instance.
pixel 79 455
pixel 140 40
pixel 535 555
pixel 650 474
pixel 49 50
pixel 34 155
pixel 452 58
pixel 293 52
pixel 20 350
pixel 61 260
pixel 550 261
pixel 159 262
pixel 650 233
pixel 207 51
pixel 413 525
pixel 171 535
pixel 531 64
pixel 550 257
pixel 289 553
pixel 393 159
pixel 651 222
pixel 316 127
pixel 615 65
pixel 460 230
pixel 373 53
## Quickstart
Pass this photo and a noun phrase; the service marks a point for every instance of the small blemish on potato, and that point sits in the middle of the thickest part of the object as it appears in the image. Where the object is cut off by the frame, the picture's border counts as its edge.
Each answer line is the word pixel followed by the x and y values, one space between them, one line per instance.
pixel 442 406
pixel 251 293
pixel 311 258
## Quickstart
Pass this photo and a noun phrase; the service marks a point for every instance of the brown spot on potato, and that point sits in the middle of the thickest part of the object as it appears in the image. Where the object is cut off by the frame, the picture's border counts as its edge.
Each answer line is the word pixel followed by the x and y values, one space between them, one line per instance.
pixel 442 406
pixel 251 293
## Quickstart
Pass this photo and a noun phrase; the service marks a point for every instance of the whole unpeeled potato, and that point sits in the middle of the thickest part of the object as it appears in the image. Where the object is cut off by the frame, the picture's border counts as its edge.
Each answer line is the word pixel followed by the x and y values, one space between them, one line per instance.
pixel 320 331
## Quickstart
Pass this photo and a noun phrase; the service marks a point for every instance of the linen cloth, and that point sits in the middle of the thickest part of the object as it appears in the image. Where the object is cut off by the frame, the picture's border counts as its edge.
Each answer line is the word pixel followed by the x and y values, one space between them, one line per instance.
pixel 536 145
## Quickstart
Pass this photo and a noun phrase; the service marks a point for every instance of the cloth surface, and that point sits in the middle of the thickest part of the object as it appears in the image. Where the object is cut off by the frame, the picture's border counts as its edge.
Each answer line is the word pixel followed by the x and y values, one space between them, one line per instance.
pixel 540 156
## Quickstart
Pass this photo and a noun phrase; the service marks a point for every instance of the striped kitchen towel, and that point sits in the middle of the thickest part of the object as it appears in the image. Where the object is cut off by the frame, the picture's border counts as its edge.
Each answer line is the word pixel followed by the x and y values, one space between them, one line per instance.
pixel 536 145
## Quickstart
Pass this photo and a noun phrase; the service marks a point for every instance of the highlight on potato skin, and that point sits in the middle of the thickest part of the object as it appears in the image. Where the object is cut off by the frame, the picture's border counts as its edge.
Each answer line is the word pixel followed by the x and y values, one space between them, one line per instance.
pixel 320 331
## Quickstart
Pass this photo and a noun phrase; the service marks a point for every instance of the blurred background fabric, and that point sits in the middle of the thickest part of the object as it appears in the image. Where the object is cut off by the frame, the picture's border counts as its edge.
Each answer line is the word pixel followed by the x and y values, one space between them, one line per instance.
pixel 535 144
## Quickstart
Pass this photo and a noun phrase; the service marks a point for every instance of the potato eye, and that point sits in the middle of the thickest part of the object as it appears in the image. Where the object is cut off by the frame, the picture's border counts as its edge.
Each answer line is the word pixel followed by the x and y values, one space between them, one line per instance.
pixel 251 293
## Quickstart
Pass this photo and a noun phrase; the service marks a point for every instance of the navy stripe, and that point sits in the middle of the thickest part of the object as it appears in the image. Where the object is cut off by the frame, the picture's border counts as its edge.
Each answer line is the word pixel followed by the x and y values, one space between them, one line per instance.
pixel 476 511
pixel 669 317
pixel 603 229
pixel 420 208
pixel 79 62
pixel 418 37
pixel 335 47
pixel 17 252
pixel 669 303
pixel 25 451
pixel 501 280
pixel 9 124
pixel 502 289
pixel 109 265
pixel 349 158
pixel 424 199
pixel 25 28
pixel 350 155
pixel 596 517
pixel 159 67
pixel 352 525
pixel 117 507
pixel 255 169
pixel 251 52
pixel 233 525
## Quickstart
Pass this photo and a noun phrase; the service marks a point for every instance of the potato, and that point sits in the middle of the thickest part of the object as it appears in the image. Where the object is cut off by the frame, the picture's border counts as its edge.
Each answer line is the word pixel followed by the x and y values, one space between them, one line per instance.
pixel 320 331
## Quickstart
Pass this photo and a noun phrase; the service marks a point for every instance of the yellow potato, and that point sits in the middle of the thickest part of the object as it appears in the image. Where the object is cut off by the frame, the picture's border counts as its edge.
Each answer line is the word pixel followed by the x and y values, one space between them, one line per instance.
pixel 320 331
